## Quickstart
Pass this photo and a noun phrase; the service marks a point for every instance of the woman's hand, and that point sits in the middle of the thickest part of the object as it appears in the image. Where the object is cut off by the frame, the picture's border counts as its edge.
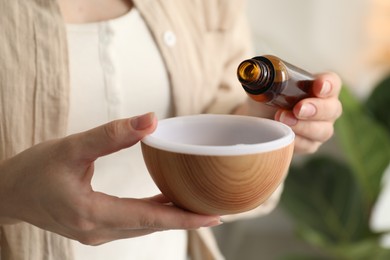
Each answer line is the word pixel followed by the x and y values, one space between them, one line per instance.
pixel 49 185
pixel 312 119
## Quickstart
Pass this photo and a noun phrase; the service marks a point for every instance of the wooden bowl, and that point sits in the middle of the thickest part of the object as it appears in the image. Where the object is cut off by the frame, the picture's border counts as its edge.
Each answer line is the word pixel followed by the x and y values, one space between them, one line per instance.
pixel 218 164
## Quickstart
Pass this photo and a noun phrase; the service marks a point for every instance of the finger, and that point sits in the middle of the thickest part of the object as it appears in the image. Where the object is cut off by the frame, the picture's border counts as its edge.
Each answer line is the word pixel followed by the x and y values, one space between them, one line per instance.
pixel 317 131
pixel 287 117
pixel 103 235
pixel 114 136
pixel 327 85
pixel 99 237
pixel 160 198
pixel 133 214
pixel 319 109
pixel 105 218
pixel 305 146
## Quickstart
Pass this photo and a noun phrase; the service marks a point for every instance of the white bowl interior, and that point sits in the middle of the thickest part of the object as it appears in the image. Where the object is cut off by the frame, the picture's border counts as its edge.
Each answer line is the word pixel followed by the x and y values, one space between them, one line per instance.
pixel 208 134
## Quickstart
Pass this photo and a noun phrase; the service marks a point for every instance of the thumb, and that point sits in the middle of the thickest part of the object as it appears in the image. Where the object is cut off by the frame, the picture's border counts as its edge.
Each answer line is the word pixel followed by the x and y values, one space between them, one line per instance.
pixel 114 136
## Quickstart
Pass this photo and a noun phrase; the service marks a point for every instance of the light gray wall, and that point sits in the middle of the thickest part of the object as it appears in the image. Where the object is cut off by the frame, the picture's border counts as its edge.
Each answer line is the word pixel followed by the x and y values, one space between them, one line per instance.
pixel 317 35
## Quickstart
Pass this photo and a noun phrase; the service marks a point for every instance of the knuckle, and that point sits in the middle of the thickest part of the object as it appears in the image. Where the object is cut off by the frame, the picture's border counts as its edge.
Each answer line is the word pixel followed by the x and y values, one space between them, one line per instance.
pixel 323 132
pixel 68 147
pixel 85 225
pixel 85 231
pixel 306 146
pixel 81 225
pixel 150 223
pixel 86 228
pixel 82 221
pixel 112 130
pixel 88 239
pixel 312 147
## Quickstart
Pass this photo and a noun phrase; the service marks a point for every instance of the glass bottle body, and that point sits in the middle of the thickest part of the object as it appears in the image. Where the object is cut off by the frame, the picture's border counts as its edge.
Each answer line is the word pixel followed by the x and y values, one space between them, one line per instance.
pixel 275 82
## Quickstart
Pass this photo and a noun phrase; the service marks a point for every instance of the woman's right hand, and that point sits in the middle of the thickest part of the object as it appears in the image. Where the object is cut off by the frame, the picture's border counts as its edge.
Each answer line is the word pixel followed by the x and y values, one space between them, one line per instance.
pixel 49 186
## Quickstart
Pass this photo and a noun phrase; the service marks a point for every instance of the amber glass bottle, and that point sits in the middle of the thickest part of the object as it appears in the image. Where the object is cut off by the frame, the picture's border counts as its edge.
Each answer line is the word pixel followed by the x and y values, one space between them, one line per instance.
pixel 273 81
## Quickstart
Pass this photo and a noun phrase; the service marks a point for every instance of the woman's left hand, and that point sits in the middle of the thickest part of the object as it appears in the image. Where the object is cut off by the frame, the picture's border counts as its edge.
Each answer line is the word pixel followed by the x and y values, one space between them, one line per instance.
pixel 312 119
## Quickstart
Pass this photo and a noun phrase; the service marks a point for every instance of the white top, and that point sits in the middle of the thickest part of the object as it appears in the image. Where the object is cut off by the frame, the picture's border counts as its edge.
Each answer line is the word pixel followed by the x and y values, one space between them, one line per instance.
pixel 116 71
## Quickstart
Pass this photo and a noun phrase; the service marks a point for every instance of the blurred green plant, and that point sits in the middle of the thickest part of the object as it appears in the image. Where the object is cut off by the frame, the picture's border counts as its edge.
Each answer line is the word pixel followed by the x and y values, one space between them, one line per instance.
pixel 331 198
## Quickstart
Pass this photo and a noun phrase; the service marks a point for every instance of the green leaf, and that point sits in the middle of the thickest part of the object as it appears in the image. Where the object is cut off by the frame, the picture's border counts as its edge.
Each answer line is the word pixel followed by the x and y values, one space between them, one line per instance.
pixel 366 144
pixel 296 256
pixel 326 202
pixel 363 250
pixel 331 200
pixel 378 103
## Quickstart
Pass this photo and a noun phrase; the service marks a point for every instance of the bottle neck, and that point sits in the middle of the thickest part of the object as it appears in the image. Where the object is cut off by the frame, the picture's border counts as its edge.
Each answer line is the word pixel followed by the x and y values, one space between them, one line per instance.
pixel 256 75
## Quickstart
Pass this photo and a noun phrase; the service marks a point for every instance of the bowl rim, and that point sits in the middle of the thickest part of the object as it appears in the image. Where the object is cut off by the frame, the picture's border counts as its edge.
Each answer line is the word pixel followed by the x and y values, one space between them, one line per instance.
pixel 226 150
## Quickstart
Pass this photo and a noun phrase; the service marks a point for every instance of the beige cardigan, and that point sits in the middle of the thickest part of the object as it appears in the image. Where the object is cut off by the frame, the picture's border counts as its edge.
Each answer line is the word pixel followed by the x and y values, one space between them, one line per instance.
pixel 211 38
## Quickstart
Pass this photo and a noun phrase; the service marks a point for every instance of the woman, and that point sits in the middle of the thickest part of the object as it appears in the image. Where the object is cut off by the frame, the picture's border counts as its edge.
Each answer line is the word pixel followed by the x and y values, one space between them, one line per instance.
pixel 49 142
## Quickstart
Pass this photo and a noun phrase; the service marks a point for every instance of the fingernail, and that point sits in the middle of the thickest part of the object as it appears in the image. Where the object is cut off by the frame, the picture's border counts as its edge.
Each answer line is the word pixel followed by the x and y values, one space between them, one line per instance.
pixel 325 90
pixel 288 119
pixel 213 223
pixel 142 122
pixel 307 110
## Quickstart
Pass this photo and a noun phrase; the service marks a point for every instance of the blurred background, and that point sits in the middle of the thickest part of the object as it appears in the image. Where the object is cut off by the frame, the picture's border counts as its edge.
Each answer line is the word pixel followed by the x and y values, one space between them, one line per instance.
pixel 336 204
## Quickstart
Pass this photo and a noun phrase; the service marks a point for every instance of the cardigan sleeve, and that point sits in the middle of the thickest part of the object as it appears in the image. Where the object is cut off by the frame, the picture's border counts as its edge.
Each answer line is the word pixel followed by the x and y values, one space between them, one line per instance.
pixel 237 47
pixel 33 106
